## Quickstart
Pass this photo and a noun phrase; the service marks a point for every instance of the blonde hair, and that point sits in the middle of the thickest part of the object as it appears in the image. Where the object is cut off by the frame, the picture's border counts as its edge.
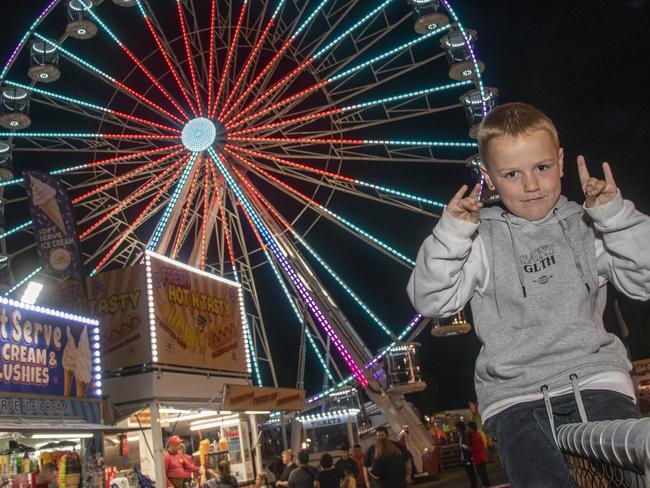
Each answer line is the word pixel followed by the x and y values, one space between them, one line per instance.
pixel 513 119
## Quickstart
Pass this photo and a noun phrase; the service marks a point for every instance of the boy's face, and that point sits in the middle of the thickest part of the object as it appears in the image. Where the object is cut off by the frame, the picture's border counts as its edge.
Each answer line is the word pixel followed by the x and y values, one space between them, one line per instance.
pixel 526 170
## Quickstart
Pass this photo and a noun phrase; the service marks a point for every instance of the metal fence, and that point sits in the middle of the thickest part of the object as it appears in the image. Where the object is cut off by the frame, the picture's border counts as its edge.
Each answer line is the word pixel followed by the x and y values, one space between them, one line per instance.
pixel 608 454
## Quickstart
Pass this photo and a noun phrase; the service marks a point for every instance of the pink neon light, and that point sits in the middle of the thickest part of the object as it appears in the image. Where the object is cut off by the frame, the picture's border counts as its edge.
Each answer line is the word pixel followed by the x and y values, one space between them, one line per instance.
pixel 170 65
pixel 153 80
pixel 303 118
pixel 190 61
pixel 273 60
pixel 244 70
pixel 137 219
pixel 293 97
pixel 125 176
pixel 131 197
pixel 228 60
pixel 277 85
pixel 211 61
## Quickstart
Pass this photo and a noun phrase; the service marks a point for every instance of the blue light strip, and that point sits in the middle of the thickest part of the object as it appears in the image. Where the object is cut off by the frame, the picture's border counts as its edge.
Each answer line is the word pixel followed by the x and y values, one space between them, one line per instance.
pixel 309 18
pixel 22 282
pixel 349 30
pixel 141 8
pixel 60 97
pixel 15 229
pixel 400 194
pixel 390 52
pixel 172 203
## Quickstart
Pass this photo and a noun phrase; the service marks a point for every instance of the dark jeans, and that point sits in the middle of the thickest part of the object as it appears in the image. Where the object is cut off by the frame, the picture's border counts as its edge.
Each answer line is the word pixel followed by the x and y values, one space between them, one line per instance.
pixel 523 432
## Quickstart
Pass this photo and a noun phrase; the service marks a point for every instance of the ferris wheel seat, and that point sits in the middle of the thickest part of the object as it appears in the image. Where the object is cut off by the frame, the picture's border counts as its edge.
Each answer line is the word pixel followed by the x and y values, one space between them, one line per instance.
pixel 456 328
pixel 6 174
pixel 44 73
pixel 81 29
pixel 429 22
pixel 15 120
pixel 124 3
pixel 465 70
pixel 411 387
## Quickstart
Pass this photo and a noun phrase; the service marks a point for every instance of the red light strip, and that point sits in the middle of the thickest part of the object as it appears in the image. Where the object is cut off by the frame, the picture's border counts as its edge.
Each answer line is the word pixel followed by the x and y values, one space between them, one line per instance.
pixel 228 61
pixel 268 66
pixel 136 136
pixel 153 80
pixel 205 215
pixel 130 156
pixel 190 61
pixel 317 115
pixel 284 101
pixel 305 140
pixel 170 66
pixel 186 209
pixel 148 102
pixel 137 219
pixel 125 176
pixel 273 88
pixel 211 61
pixel 291 163
pixel 145 121
pixel 244 70
pixel 130 198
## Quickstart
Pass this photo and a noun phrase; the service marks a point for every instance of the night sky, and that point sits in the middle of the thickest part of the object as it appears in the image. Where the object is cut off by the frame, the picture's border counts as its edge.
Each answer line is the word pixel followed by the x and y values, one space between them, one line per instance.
pixel 585 64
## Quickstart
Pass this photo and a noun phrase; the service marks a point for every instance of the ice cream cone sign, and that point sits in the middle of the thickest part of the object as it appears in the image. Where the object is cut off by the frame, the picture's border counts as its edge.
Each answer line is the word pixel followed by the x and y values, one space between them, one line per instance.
pixel 83 368
pixel 69 361
pixel 44 197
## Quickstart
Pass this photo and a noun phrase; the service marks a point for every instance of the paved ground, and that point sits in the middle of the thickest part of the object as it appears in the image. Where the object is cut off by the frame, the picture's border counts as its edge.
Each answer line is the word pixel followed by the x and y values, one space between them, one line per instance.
pixel 456 478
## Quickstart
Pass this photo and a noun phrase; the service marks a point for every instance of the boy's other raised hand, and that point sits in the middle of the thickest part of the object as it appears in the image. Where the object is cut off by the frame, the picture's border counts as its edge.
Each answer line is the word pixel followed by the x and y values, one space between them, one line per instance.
pixel 597 192
pixel 466 208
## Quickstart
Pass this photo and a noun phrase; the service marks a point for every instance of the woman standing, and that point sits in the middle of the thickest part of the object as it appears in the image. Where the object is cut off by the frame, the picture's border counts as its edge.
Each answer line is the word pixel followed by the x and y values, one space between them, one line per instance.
pixel 388 466
pixel 222 478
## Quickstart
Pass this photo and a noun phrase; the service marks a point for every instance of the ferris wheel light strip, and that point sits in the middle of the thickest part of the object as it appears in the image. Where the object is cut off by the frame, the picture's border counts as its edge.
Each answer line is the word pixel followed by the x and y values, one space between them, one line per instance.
pixel 278 276
pixel 109 78
pixel 133 225
pixel 90 105
pixel 184 214
pixel 190 61
pixel 213 9
pixel 343 220
pixel 249 59
pixel 172 203
pixel 125 176
pixel 40 17
pixel 308 299
pixel 204 224
pixel 137 62
pixel 226 68
pixel 22 282
pixel 128 199
pixel 309 18
pixel 300 68
pixel 18 228
pixel 162 51
pixel 388 142
pixel 250 350
pixel 87 135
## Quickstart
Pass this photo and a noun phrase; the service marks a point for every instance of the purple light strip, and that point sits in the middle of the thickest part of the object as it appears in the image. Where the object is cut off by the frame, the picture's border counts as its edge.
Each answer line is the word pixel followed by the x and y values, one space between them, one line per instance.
pixel 22 41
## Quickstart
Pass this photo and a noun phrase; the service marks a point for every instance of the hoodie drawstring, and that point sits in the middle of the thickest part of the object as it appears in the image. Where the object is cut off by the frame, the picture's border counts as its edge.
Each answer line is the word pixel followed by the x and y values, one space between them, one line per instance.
pixel 520 273
pixel 578 398
pixel 573 250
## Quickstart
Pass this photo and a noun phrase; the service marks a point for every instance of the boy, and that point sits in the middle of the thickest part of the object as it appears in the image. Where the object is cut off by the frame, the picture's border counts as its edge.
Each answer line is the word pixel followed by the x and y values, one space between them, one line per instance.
pixel 536 273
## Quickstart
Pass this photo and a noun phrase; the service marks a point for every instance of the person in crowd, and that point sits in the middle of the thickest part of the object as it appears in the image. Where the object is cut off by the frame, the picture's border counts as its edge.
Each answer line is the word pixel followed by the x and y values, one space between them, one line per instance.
pixel 388 466
pixel 535 270
pixel 381 432
pixel 46 476
pixel 329 475
pixel 479 453
pixel 357 457
pixel 465 444
pixel 289 466
pixel 262 481
pixel 222 478
pixel 349 479
pixel 345 463
pixel 304 476
pixel 176 465
pixel 188 465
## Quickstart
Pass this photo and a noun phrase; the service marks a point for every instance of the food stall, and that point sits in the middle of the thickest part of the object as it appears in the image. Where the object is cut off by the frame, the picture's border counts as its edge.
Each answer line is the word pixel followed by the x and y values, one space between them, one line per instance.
pixel 50 384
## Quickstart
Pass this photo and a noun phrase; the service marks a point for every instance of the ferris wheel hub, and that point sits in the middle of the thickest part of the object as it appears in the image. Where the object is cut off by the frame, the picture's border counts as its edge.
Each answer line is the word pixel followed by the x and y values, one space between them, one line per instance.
pixel 199 134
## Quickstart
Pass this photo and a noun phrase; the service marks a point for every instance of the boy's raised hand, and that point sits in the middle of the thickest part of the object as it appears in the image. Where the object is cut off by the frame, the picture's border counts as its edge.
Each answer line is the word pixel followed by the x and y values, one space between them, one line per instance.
pixel 465 208
pixel 597 192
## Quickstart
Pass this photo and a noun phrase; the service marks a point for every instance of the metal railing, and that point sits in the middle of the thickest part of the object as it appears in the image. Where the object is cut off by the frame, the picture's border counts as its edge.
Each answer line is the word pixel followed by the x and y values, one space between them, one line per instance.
pixel 607 454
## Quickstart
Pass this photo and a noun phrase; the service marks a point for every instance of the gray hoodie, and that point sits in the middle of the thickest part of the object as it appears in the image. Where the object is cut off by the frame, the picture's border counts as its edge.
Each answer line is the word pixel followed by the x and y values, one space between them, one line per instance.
pixel 537 290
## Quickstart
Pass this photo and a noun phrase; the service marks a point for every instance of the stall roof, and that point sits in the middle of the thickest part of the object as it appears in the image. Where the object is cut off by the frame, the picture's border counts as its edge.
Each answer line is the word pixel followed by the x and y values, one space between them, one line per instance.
pixel 62 427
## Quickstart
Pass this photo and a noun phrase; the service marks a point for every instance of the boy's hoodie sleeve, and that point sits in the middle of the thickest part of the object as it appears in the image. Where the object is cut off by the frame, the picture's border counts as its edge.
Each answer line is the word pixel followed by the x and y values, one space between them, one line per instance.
pixel 623 246
pixel 451 265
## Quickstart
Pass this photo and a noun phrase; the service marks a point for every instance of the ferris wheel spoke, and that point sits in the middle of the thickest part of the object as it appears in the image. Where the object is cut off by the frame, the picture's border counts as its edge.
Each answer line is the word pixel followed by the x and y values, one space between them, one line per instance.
pixel 229 60
pixel 328 214
pixel 165 51
pixel 13 230
pixel 190 59
pixel 137 62
pixel 23 281
pixel 133 196
pixel 180 234
pixel 283 285
pixel 211 55
pixel 107 78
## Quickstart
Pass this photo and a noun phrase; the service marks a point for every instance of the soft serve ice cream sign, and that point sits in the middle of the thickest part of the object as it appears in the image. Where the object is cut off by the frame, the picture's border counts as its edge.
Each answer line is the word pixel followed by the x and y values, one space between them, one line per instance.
pixel 47 352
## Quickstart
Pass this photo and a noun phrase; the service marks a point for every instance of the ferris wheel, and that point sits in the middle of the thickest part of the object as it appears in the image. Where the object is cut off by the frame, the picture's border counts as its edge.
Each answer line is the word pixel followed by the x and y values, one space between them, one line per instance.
pixel 226 134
